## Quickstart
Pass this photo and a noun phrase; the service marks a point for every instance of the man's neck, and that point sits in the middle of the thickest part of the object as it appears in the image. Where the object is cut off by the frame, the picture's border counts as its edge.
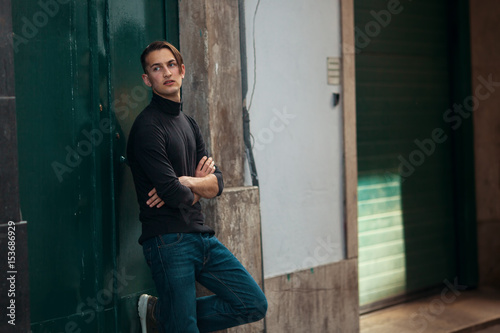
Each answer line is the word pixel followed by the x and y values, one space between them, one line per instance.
pixel 176 98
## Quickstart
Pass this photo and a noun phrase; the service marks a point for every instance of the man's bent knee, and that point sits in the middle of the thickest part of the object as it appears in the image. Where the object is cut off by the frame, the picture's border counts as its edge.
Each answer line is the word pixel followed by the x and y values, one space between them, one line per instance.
pixel 261 310
pixel 255 311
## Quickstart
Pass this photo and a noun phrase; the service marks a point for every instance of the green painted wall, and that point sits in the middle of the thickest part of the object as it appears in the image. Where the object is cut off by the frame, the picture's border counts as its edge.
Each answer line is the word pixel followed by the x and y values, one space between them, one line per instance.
pixel 78 91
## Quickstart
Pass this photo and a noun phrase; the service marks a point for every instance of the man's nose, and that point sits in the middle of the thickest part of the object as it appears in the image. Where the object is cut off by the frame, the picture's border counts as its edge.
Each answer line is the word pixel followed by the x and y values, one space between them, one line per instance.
pixel 167 73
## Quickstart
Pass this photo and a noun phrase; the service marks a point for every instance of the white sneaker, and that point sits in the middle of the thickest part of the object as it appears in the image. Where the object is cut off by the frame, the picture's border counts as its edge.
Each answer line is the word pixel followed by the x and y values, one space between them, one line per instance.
pixel 146 307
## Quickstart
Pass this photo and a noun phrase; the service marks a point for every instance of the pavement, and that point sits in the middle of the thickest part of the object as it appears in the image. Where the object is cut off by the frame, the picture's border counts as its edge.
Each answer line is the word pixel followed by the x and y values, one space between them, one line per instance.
pixel 460 312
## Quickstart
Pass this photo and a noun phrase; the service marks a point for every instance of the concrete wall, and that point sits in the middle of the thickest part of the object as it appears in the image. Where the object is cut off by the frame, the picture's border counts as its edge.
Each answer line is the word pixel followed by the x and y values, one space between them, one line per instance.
pixel 320 298
pixel 323 299
pixel 485 52
pixel 298 133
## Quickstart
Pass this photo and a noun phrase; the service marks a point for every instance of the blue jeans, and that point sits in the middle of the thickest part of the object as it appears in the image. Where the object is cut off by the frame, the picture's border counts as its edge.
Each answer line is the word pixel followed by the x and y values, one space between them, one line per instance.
pixel 177 261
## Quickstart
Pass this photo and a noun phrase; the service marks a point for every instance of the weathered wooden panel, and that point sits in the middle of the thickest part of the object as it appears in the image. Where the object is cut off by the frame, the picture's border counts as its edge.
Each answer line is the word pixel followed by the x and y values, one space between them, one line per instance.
pixel 349 107
pixel 209 40
pixel 485 52
pixel 323 299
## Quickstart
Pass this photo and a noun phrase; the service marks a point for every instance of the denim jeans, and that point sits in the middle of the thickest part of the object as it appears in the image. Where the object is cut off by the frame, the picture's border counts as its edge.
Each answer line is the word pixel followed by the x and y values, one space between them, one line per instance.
pixel 177 261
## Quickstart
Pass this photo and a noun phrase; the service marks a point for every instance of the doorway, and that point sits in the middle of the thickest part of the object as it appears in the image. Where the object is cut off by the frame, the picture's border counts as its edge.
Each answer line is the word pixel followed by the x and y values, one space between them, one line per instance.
pixel 407 149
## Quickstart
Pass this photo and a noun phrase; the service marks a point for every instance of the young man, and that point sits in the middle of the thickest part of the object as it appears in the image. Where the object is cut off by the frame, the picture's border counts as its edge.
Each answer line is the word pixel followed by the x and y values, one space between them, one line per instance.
pixel 171 171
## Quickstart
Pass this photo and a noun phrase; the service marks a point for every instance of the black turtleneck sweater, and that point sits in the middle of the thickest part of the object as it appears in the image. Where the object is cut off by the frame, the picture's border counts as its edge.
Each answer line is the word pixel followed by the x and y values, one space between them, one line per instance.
pixel 164 144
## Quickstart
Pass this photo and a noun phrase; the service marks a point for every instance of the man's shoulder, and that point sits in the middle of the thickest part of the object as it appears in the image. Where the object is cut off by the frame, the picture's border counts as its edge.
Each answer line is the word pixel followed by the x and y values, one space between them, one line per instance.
pixel 191 120
pixel 147 116
pixel 144 124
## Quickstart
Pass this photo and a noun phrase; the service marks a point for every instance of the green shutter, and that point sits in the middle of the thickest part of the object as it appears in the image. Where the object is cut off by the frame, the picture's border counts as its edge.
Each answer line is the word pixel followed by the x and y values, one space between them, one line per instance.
pixel 406 223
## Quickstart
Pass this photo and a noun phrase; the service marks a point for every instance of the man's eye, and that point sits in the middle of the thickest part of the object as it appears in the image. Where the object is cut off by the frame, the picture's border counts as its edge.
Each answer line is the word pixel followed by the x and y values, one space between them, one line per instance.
pixel 172 64
pixel 156 69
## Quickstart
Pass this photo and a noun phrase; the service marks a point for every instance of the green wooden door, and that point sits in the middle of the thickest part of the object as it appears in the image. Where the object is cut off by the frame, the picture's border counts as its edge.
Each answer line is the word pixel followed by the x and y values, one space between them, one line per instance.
pixel 132 26
pixel 78 91
pixel 405 186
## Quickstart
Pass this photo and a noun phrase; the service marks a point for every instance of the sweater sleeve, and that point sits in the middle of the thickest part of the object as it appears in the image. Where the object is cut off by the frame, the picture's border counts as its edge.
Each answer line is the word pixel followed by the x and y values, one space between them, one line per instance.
pixel 202 151
pixel 152 157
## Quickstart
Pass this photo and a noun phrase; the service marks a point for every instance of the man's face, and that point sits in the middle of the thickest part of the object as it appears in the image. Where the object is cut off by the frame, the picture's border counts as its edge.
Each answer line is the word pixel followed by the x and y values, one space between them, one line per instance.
pixel 164 74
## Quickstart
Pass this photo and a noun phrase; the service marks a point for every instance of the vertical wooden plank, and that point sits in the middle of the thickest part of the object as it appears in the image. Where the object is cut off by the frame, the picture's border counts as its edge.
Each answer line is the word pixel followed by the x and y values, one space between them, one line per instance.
pixel 349 107
pixel 210 45
pixel 485 51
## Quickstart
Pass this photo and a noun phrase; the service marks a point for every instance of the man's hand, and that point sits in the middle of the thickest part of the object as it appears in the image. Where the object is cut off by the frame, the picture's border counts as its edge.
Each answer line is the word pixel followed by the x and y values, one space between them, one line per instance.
pixel 196 198
pixel 204 184
pixel 154 199
pixel 186 181
pixel 205 167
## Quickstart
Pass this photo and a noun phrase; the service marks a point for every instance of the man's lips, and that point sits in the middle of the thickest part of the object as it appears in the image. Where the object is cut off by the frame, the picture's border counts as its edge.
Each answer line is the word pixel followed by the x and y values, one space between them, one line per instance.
pixel 169 82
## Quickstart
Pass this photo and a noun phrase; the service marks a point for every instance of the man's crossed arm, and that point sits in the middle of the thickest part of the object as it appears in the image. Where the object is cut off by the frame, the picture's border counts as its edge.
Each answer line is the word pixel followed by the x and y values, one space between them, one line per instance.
pixel 203 185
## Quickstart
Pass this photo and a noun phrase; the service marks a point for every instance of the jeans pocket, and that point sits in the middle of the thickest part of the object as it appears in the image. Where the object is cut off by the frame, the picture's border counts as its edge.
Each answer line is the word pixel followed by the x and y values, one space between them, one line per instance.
pixel 168 240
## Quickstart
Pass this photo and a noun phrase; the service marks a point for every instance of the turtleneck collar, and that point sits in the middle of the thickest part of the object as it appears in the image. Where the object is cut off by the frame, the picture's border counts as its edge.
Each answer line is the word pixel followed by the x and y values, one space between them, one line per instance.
pixel 166 105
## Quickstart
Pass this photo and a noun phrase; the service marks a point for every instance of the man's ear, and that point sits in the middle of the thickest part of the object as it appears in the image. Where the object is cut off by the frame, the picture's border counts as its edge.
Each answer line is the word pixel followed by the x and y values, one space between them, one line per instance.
pixel 183 70
pixel 145 78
